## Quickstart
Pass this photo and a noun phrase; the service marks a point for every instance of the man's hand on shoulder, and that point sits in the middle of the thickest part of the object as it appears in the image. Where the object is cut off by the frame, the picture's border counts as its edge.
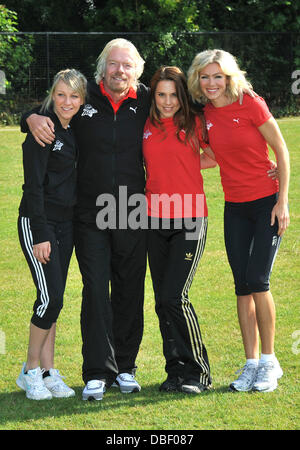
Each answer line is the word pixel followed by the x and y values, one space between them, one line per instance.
pixel 42 129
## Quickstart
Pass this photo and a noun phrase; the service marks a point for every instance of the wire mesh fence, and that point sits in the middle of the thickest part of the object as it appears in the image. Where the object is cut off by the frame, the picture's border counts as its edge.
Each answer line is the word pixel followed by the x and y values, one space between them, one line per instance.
pixel 270 60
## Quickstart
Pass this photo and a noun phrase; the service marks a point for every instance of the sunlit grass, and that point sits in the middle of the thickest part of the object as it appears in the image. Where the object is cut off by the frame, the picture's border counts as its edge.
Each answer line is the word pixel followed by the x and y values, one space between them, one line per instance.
pixel 213 297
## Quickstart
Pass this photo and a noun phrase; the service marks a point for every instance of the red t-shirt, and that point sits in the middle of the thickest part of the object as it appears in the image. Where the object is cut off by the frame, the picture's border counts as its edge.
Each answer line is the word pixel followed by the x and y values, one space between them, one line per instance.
pixel 240 149
pixel 174 185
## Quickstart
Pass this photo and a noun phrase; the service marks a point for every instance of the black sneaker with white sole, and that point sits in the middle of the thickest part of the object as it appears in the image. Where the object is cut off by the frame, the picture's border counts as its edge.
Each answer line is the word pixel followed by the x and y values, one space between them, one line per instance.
pixel 171 384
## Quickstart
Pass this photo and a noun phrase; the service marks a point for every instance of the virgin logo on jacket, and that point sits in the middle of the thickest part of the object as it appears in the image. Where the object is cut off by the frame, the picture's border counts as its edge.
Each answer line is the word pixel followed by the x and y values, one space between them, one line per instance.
pixel 57 146
pixel 88 110
pixel 147 133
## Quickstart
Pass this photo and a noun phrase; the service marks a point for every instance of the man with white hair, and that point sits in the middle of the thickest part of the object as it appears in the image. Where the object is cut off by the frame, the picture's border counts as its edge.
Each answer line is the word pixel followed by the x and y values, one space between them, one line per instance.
pixel 109 131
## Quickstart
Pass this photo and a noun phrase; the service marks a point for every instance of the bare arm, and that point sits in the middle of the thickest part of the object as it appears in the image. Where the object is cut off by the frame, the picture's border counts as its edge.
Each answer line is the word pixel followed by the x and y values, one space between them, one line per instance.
pixel 42 129
pixel 207 159
pixel 209 152
pixel 272 134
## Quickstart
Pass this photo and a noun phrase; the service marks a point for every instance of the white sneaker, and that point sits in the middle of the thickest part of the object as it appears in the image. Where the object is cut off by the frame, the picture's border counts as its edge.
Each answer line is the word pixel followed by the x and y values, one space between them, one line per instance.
pixel 93 390
pixel 267 375
pixel 127 383
pixel 33 384
pixel 245 381
pixel 56 386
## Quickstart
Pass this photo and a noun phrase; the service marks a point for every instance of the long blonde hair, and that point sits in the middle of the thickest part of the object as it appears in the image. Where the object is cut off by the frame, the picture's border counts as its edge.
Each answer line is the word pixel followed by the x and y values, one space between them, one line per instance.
pixel 237 81
pixel 72 78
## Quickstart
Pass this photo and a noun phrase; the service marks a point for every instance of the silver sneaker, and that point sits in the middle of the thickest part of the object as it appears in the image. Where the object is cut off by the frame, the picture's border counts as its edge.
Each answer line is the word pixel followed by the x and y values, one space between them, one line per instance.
pixel 245 381
pixel 127 383
pixel 267 375
pixel 56 386
pixel 93 390
pixel 33 384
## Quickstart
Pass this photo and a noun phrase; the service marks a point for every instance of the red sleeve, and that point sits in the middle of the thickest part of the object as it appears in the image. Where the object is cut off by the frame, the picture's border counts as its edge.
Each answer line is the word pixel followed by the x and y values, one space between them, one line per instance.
pixel 259 111
pixel 199 131
pixel 147 123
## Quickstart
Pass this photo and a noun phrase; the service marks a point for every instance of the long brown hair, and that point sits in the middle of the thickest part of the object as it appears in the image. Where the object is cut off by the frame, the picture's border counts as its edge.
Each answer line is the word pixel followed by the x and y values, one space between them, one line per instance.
pixel 184 118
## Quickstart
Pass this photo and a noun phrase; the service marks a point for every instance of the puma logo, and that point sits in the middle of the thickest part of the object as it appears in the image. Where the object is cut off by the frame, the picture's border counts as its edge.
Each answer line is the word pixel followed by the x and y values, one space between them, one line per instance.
pixel 133 109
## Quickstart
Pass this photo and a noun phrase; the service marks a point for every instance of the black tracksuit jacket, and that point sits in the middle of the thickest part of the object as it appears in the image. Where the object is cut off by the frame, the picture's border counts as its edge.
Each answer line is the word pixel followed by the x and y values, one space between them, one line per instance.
pixel 110 147
pixel 49 189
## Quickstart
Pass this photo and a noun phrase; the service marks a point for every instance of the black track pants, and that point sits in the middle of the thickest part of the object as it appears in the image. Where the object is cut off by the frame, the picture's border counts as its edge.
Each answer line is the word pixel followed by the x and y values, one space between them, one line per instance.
pixel 173 261
pixel 111 319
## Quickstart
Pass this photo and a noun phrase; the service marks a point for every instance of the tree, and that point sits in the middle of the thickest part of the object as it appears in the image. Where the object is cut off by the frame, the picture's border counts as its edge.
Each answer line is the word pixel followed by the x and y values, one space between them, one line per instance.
pixel 164 31
pixel 255 15
pixel 15 59
pixel 157 15
pixel 160 16
pixel 54 15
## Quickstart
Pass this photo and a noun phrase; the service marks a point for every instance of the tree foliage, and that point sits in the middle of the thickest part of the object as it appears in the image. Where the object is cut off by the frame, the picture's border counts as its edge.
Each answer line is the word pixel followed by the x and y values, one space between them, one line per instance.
pixel 15 58
pixel 53 15
pixel 163 16
pixel 178 29
pixel 255 15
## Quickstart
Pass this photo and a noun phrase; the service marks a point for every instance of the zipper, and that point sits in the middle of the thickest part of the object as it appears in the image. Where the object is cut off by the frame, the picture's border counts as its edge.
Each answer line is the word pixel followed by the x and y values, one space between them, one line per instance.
pixel 114 146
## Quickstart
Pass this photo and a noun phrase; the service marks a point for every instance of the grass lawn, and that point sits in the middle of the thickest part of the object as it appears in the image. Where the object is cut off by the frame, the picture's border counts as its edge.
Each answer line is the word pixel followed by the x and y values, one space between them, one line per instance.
pixel 213 297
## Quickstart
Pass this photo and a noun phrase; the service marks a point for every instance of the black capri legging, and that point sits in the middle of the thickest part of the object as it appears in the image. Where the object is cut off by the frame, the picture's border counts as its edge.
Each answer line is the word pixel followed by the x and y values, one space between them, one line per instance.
pixel 251 243
pixel 50 278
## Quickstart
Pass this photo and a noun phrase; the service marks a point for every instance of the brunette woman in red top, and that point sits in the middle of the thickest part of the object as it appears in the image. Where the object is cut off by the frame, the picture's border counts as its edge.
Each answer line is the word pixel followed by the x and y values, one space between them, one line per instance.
pixel 256 205
pixel 178 222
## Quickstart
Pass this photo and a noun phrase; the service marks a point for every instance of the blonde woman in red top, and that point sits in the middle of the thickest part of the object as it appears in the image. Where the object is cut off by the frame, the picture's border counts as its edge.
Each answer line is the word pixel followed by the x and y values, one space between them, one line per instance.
pixel 177 213
pixel 256 205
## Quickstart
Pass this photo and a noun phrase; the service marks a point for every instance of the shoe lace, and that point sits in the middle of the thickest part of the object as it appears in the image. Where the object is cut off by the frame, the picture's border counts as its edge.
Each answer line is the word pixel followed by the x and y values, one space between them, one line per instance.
pixel 57 379
pixel 247 372
pixel 57 375
pixel 263 372
pixel 93 384
pixel 126 376
pixel 36 381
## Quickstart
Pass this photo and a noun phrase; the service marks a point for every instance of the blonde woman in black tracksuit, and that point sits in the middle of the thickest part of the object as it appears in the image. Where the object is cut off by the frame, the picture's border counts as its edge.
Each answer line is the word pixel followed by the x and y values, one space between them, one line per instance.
pixel 46 231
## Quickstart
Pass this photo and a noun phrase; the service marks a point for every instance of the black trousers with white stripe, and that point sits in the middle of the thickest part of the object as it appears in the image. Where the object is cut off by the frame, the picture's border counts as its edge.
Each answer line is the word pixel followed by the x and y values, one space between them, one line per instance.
pixel 50 278
pixel 173 260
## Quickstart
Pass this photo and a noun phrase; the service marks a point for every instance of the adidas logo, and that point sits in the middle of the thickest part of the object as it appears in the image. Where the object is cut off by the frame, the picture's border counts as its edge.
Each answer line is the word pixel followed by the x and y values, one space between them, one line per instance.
pixel 188 256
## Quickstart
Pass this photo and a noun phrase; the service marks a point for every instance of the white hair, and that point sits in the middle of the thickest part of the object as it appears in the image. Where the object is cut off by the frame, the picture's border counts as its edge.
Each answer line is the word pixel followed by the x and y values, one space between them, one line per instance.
pixel 119 43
